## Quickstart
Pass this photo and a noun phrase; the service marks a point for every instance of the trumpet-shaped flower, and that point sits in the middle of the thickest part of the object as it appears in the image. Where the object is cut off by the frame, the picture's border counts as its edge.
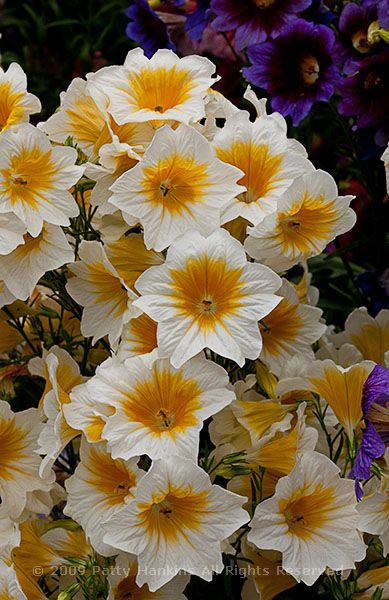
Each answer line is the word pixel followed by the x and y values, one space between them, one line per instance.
pixel 35 178
pixel 290 328
pixel 162 88
pixel 225 431
pixel 262 151
pixel 311 519
pixel 99 487
pixel 207 295
pixel 139 336
pixel 98 287
pixel 130 258
pixel 309 215
pixel 369 334
pixel 159 409
pixel 374 514
pixel 342 389
pixel 266 573
pixel 87 414
pixel 277 454
pixel 123 583
pixel 61 373
pixel 178 185
pixel 80 119
pixel 21 270
pixel 20 463
pixel 176 521
pixel 16 104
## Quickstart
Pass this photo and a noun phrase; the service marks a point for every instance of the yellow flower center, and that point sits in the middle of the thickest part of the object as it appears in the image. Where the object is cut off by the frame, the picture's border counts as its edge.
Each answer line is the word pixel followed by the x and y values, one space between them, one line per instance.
pixel 176 183
pixel 207 290
pixel 171 514
pixel 307 224
pixel 264 3
pixel 309 70
pixel 159 89
pixel 110 477
pixel 306 513
pixel 164 402
pixel 260 167
pixel 30 176
pixel 360 41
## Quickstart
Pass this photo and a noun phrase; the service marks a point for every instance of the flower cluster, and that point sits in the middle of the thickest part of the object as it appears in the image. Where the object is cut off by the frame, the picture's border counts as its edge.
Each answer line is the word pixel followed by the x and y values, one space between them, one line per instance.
pixel 299 52
pixel 173 403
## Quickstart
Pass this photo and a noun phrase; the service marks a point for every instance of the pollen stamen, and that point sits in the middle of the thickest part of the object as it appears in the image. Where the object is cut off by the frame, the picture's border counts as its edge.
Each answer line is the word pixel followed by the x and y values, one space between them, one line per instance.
pixel 18 180
pixel 165 188
pixel 164 417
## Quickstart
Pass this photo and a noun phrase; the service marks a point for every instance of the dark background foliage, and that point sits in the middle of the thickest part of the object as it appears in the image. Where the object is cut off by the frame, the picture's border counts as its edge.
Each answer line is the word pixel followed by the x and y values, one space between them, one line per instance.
pixel 56 40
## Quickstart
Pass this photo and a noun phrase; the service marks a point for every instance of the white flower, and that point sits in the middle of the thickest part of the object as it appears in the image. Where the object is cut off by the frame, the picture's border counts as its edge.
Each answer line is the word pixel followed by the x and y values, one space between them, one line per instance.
pixel 21 269
pixel 176 521
pixel 97 286
pixel 369 334
pixel 86 414
pixel 311 519
pixel 139 336
pixel 290 328
pixel 262 151
pixel 19 461
pixel 341 388
pixel 309 215
pixel 35 178
pixel 207 295
pixel 16 104
pixel 62 374
pixel 178 185
pixel 80 118
pixel 123 583
pixel 374 514
pixel 159 409
pixel 163 88
pixel 99 487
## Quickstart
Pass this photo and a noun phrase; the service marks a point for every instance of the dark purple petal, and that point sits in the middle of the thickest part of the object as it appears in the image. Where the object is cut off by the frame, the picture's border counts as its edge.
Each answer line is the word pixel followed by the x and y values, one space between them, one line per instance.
pixel 280 67
pixel 376 388
pixel 147 29
pixel 252 23
pixel 383 14
pixel 365 93
pixel 197 21
pixel 370 448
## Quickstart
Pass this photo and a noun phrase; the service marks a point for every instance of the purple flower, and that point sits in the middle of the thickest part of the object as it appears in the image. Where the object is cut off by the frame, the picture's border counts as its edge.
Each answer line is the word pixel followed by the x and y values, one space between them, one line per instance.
pixel 383 14
pixel 197 21
pixel 375 436
pixel 147 29
pixel 365 93
pixel 296 68
pixel 354 23
pixel 254 20
pixel 375 290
